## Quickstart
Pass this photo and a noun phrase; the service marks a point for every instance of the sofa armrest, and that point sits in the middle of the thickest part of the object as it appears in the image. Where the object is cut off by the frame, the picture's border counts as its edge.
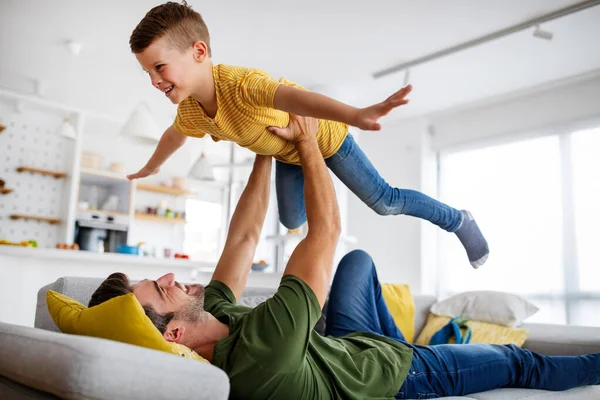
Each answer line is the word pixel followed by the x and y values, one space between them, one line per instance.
pixel 562 340
pixel 79 367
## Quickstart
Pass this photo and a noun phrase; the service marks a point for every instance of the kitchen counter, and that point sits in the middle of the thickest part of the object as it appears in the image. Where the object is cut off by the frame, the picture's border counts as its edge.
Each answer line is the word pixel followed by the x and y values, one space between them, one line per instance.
pixel 81 255
pixel 24 270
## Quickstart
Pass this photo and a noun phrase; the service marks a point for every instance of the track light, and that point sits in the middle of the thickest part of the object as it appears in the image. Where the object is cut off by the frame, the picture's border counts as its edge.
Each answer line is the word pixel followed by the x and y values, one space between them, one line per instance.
pixel 542 34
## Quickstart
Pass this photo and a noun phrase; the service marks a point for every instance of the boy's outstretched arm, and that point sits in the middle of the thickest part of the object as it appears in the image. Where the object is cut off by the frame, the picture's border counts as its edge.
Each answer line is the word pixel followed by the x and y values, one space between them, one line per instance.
pixel 169 143
pixel 311 104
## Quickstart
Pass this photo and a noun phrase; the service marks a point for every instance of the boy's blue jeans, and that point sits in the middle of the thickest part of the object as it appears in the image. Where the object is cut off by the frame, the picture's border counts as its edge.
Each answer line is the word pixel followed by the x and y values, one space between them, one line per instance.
pixel 357 305
pixel 355 170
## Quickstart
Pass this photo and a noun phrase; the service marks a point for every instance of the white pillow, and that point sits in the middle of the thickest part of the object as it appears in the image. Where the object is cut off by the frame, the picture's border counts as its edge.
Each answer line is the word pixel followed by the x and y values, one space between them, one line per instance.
pixel 486 306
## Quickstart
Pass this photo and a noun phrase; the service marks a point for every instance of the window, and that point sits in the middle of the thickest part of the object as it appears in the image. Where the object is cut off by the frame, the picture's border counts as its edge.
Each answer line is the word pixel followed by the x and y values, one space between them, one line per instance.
pixel 535 201
pixel 585 148
pixel 203 230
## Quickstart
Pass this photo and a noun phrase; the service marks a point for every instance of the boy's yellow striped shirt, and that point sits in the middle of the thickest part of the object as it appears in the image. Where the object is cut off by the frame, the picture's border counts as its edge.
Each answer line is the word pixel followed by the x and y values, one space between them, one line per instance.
pixel 245 109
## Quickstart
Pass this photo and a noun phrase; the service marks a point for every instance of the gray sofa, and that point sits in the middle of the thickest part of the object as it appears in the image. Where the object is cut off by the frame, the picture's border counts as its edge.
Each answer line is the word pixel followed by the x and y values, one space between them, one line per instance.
pixel 42 363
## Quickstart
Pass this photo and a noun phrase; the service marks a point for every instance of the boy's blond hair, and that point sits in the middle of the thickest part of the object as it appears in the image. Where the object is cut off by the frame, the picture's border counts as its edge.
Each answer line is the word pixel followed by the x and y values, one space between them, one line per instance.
pixel 183 26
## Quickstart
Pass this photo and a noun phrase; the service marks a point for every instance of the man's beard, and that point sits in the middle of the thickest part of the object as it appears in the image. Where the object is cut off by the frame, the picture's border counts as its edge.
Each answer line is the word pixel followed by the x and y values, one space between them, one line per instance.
pixel 193 312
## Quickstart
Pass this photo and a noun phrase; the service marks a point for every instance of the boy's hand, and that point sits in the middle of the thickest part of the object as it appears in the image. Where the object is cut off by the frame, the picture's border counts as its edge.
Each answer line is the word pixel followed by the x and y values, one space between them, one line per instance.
pixel 298 129
pixel 367 117
pixel 142 173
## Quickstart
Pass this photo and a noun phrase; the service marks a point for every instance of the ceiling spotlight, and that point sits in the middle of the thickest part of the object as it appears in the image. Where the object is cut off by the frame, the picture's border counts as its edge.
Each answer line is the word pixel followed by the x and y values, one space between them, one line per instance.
pixel 542 34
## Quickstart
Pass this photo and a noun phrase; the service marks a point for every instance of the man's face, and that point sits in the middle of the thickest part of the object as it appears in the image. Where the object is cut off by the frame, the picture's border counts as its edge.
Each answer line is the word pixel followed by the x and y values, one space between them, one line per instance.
pixel 166 295
pixel 171 71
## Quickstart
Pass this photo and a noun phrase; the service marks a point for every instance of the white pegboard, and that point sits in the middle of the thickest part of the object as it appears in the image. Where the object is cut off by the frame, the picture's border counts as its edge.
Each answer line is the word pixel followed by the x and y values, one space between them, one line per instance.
pixel 30 139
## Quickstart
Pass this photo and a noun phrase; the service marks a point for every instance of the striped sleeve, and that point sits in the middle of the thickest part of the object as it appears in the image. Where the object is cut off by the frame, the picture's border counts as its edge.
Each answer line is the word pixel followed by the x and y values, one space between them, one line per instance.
pixel 258 89
pixel 182 123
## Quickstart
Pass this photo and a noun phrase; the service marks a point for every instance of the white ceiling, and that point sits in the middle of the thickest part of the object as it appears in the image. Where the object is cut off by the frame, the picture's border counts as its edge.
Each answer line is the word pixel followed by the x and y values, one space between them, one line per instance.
pixel 314 42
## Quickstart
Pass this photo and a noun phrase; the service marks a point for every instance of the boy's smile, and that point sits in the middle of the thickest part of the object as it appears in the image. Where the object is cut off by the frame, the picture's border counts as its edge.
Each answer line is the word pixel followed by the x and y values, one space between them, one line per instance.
pixel 169 68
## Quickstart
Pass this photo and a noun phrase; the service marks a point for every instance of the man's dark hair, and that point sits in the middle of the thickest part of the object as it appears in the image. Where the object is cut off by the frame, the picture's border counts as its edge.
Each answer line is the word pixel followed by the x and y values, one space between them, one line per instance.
pixel 117 284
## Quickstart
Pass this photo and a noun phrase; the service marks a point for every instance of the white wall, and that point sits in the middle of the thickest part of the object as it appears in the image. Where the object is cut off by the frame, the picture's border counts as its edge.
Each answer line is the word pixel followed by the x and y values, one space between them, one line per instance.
pixel 528 114
pixel 404 249
pixel 392 241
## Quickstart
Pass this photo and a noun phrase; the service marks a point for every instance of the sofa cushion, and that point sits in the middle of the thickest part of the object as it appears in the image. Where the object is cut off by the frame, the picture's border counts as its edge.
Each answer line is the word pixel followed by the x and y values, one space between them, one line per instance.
pixel 121 318
pixel 482 332
pixel 580 393
pixel 80 289
pixel 486 306
pixel 78 367
pixel 400 303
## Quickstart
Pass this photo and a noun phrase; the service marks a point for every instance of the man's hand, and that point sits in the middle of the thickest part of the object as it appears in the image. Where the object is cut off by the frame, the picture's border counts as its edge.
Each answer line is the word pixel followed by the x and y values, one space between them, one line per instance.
pixel 298 129
pixel 367 117
pixel 142 173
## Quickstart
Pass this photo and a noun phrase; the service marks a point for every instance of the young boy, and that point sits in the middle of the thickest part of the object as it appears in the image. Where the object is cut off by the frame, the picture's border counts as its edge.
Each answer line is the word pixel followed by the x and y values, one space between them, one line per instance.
pixel 246 106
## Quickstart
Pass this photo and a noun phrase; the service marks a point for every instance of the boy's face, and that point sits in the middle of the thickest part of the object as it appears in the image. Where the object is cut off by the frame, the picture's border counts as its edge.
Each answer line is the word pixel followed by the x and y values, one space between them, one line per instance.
pixel 171 71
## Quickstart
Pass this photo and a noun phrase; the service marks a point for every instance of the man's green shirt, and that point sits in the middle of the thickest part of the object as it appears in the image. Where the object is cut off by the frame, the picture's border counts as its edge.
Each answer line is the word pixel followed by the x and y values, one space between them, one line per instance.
pixel 273 352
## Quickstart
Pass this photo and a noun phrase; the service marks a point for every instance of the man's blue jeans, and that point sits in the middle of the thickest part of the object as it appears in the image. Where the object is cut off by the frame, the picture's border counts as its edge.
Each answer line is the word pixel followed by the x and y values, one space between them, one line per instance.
pixel 355 170
pixel 357 305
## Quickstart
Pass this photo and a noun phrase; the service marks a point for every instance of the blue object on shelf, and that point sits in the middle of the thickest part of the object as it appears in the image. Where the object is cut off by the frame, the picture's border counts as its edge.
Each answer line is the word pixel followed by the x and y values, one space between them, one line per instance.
pixel 259 266
pixel 123 249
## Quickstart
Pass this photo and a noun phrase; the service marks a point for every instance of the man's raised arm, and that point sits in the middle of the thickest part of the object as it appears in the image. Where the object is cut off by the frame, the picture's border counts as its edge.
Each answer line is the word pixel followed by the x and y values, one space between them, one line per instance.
pixel 312 260
pixel 245 227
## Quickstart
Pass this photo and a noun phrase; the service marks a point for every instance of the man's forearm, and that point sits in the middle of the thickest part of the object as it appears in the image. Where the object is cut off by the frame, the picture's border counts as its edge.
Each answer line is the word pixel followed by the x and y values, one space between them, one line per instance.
pixel 311 104
pixel 312 259
pixel 322 211
pixel 169 143
pixel 244 229
pixel 251 210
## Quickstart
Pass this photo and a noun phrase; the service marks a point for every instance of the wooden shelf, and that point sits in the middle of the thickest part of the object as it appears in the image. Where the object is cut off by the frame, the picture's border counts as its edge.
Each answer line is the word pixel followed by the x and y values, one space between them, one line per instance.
pixel 51 221
pixel 156 218
pixel 55 174
pixel 164 189
pixel 103 212
pixel 100 173
pixel 5 190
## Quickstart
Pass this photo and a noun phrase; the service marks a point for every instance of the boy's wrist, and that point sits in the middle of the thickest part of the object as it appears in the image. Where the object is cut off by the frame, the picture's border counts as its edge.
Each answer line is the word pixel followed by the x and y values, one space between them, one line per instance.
pixel 354 116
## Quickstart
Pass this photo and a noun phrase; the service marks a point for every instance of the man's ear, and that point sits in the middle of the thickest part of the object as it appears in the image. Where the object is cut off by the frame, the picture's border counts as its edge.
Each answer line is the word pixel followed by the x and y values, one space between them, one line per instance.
pixel 200 51
pixel 174 332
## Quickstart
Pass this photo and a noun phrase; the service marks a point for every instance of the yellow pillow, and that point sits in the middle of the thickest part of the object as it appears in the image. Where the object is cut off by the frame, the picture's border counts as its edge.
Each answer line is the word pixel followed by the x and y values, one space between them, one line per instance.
pixel 481 332
pixel 401 304
pixel 121 319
